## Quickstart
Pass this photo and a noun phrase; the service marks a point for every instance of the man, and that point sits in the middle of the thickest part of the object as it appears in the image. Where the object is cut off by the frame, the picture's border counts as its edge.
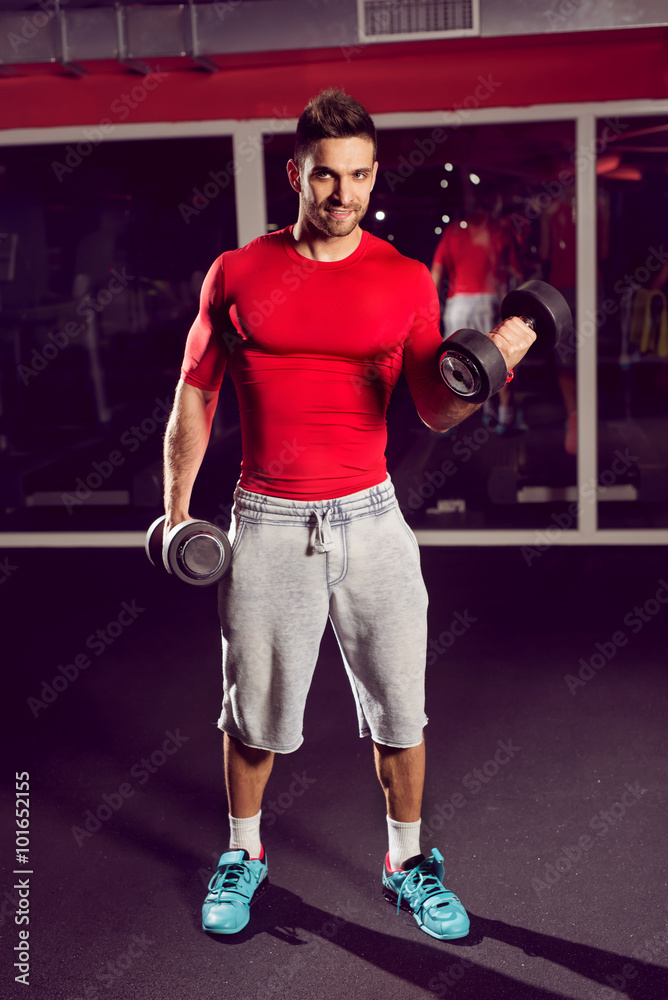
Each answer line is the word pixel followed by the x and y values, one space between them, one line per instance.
pixel 315 323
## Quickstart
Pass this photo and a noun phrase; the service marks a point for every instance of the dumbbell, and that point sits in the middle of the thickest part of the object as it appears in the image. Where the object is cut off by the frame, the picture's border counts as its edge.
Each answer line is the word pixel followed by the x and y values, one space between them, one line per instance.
pixel 472 366
pixel 197 552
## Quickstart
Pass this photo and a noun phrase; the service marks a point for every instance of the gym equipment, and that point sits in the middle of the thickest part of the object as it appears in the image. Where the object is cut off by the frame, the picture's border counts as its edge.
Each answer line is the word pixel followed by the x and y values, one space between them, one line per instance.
pixel 472 366
pixel 197 552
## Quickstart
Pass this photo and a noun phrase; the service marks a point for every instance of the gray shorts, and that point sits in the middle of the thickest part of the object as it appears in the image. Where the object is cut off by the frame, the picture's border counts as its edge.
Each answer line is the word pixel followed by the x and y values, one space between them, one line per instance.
pixel 470 312
pixel 297 563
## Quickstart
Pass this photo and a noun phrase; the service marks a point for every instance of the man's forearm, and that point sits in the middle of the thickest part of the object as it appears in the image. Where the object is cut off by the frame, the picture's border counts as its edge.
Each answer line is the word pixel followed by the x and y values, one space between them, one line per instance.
pixel 443 410
pixel 186 440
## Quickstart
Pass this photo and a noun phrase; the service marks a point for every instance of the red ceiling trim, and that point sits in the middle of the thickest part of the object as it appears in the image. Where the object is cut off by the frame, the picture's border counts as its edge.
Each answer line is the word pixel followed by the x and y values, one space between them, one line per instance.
pixel 416 76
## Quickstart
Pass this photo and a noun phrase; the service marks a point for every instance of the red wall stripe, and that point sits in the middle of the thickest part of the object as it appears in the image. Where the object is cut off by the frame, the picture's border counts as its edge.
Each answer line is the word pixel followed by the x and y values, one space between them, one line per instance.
pixel 546 69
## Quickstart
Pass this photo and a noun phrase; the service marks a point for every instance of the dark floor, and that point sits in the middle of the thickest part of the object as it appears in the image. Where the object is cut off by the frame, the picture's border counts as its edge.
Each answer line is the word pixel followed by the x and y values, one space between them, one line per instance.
pixel 557 852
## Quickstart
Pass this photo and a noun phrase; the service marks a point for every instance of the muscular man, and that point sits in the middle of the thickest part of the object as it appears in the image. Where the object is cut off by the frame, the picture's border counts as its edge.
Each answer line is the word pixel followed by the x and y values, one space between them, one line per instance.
pixel 314 324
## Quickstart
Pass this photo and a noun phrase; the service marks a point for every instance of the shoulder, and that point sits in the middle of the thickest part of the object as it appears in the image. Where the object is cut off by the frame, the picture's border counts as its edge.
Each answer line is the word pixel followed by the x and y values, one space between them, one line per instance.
pixel 260 260
pixel 410 280
pixel 267 245
pixel 385 253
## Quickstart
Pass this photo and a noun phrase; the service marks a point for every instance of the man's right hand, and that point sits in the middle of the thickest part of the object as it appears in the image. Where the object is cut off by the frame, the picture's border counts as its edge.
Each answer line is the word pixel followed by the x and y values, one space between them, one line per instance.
pixel 171 521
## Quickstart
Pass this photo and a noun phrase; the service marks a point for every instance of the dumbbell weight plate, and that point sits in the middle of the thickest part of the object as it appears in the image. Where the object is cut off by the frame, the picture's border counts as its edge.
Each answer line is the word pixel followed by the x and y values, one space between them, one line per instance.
pixel 544 305
pixel 153 542
pixel 198 552
pixel 472 366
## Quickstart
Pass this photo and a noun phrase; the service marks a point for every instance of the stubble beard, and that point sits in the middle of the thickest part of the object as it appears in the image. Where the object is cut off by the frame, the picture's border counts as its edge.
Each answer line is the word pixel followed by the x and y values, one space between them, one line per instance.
pixel 339 227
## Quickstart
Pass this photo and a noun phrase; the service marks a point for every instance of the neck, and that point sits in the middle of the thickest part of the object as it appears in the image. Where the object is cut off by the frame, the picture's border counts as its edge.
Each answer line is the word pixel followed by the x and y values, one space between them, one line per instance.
pixel 316 245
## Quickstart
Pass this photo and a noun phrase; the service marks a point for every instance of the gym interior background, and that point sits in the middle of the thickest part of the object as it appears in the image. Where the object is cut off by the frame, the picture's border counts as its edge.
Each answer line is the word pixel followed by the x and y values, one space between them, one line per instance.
pixel 137 142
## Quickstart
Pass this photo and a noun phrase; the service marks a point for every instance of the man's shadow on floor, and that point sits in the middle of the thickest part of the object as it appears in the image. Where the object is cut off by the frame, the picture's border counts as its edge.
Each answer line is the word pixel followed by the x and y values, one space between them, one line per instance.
pixel 438 967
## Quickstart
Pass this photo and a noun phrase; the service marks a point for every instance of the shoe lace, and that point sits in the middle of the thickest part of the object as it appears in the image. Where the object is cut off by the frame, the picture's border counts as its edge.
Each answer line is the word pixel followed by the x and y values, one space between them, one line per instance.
pixel 228 879
pixel 423 883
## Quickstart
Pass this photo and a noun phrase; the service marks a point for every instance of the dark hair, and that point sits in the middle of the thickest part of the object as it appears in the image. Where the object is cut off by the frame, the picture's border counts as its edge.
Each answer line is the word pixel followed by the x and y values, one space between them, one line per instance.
pixel 332 115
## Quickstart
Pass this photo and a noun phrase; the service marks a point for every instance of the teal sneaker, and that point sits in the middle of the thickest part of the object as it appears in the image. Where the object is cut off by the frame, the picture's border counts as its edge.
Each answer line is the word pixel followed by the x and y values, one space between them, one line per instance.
pixel 419 888
pixel 232 889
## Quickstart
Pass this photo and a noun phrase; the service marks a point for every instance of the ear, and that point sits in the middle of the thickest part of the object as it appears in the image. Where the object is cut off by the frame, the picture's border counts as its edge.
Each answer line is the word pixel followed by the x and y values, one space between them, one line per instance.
pixel 293 176
pixel 373 176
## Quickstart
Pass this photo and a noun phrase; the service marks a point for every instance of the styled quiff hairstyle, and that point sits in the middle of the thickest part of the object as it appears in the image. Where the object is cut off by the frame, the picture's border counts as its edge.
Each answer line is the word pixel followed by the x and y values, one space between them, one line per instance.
pixel 332 115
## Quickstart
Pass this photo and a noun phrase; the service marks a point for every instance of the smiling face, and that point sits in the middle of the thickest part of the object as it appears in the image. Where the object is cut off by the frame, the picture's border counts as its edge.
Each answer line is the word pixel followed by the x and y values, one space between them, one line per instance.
pixel 334 185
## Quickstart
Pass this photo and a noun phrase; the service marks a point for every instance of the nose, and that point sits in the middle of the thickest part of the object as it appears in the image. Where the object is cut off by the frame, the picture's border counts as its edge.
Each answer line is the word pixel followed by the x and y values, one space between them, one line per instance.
pixel 344 192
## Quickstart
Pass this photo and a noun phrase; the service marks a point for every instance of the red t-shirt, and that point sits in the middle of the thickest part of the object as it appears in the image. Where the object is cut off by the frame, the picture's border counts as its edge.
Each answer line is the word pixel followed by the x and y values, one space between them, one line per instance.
pixel 562 249
pixel 476 258
pixel 314 350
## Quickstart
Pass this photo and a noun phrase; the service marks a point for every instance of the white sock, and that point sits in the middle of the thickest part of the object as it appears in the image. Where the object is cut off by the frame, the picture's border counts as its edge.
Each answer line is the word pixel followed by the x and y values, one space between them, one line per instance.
pixel 404 841
pixel 245 834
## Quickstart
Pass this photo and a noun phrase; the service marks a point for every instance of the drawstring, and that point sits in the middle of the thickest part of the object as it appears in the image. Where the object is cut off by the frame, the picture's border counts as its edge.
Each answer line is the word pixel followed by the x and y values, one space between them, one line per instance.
pixel 323 539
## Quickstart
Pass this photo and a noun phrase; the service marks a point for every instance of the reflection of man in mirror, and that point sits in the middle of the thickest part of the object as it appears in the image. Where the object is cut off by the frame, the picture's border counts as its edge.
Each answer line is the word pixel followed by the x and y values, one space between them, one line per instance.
pixel 477 258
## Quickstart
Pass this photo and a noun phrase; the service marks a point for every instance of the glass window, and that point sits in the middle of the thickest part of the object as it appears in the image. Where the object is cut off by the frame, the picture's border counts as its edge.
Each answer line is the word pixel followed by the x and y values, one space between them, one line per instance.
pixel 632 322
pixel 102 253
